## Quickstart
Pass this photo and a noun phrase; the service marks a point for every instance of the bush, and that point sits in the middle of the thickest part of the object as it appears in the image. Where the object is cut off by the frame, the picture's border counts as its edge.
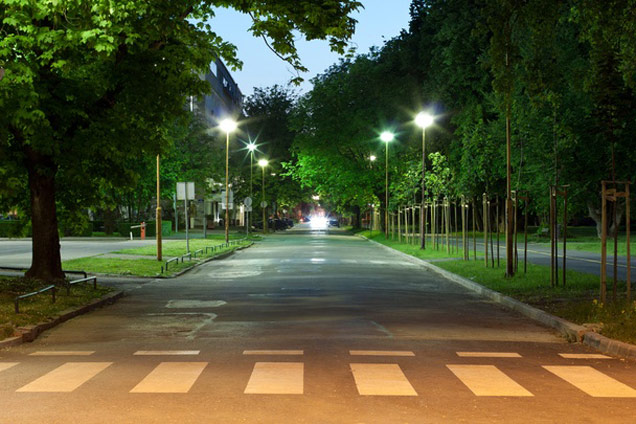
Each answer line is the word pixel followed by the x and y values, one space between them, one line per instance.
pixel 12 228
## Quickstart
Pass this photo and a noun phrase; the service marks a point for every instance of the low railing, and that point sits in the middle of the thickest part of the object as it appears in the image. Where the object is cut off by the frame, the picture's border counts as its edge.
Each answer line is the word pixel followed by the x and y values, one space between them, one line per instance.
pixel 81 280
pixel 201 251
pixel 24 296
pixel 23 268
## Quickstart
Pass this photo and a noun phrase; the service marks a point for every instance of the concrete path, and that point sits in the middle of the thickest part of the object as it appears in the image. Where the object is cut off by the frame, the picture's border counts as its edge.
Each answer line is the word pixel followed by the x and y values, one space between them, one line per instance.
pixel 309 328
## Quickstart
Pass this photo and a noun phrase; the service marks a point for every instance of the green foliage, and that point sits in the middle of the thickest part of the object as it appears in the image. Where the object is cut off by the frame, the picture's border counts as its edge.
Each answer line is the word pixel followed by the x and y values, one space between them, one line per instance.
pixel 14 229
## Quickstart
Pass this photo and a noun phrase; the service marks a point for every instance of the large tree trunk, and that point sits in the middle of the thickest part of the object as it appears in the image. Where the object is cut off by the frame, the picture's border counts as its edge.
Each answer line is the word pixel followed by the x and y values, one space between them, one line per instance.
pixel 356 211
pixel 46 262
pixel 612 226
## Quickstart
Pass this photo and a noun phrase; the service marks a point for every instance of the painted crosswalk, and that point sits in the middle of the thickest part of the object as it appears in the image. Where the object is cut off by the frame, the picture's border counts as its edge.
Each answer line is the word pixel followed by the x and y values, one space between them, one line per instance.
pixel 373 373
pixel 171 377
pixel 66 378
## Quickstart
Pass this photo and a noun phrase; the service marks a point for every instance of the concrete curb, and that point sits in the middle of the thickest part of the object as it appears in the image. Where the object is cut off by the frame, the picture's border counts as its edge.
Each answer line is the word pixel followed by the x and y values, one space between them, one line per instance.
pixel 31 332
pixel 213 258
pixel 572 332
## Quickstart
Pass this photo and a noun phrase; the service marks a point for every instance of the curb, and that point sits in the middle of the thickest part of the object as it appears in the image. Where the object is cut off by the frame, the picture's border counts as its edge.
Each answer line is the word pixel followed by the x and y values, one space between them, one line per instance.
pixel 572 332
pixel 31 332
pixel 213 258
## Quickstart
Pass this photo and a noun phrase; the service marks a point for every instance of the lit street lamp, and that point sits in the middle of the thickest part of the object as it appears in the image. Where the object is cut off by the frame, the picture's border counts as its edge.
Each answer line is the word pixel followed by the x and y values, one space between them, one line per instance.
pixel 228 126
pixel 423 120
pixel 387 137
pixel 251 147
pixel 263 164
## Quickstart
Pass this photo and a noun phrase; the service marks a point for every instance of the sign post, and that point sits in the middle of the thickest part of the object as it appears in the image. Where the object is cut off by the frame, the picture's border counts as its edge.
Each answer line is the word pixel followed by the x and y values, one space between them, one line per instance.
pixel 185 192
pixel 248 208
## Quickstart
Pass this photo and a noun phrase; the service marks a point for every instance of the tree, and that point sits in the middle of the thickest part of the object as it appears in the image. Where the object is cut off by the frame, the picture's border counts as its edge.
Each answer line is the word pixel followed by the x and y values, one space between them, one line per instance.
pixel 75 103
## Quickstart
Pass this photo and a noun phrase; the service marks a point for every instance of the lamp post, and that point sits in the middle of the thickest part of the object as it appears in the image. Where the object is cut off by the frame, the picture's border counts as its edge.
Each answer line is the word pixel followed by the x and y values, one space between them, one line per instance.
pixel 263 164
pixel 228 126
pixel 423 120
pixel 386 137
pixel 251 147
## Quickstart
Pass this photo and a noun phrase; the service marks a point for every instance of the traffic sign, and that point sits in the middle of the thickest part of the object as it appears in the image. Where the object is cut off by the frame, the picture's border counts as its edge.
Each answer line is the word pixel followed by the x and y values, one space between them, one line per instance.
pixel 264 204
pixel 248 209
pixel 247 201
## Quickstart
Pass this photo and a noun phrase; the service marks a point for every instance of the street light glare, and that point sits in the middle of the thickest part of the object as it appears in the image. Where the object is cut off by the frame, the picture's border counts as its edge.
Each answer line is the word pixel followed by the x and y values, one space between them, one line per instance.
pixel 263 163
pixel 372 158
pixel 251 147
pixel 424 120
pixel 387 136
pixel 228 125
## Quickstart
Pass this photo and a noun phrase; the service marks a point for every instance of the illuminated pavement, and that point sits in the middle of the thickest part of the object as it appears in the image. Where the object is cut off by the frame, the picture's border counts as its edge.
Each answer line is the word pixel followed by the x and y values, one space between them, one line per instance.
pixel 309 328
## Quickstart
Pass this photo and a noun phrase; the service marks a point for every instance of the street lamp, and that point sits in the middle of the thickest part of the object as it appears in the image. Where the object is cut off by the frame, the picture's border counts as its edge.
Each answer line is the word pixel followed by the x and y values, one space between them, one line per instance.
pixel 372 158
pixel 263 164
pixel 251 147
pixel 423 120
pixel 386 137
pixel 228 126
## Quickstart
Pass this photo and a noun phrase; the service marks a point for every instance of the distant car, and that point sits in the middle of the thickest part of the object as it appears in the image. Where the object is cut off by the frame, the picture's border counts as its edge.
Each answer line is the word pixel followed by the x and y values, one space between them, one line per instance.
pixel 304 219
pixel 334 222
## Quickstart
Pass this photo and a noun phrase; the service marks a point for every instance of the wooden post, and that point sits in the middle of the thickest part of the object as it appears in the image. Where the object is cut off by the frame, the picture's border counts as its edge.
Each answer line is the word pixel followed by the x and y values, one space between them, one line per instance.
pixel 448 224
pixel 629 259
pixel 474 231
pixel 399 224
pixel 603 243
pixel 516 232
pixel 551 223
pixel 497 197
pixel 565 229
pixel 485 227
pixel 492 253
pixel 456 228
pixel 413 223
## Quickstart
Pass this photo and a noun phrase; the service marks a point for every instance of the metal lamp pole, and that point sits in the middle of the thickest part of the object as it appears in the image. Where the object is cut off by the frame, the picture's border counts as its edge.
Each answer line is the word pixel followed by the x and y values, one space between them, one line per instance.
pixel 227 125
pixel 423 120
pixel 263 163
pixel 387 137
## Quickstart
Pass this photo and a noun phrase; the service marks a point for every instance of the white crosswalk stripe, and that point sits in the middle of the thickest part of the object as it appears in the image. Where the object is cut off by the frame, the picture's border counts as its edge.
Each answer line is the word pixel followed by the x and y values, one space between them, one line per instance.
pixel 488 355
pixel 171 377
pixel 487 380
pixel 7 365
pixel 166 352
pixel 381 380
pixel 63 353
pixel 592 381
pixel 380 353
pixel 276 378
pixel 273 352
pixel 66 378
pixel 583 356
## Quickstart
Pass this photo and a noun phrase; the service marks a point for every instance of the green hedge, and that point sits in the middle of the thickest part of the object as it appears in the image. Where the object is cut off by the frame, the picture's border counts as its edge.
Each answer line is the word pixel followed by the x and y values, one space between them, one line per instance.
pixel 12 228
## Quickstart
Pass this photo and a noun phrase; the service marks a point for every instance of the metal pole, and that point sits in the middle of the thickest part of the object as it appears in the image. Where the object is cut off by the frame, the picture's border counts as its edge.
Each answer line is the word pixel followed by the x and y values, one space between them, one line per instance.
pixel 386 191
pixel 565 229
pixel 629 259
pixel 227 185
pixel 158 229
pixel 185 206
pixel 422 216
pixel 264 207
pixel 603 244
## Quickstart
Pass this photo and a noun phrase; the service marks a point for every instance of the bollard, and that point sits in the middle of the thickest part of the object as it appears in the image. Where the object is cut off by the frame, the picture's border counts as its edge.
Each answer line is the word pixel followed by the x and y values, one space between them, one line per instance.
pixel 143 231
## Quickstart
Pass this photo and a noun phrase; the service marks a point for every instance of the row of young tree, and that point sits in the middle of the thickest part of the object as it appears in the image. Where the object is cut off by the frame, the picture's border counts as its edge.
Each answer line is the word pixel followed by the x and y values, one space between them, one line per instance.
pixel 564 71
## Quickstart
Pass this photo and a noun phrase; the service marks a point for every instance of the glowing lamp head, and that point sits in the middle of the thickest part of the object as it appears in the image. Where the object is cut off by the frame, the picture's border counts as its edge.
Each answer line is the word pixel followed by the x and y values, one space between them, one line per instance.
pixel 424 120
pixel 251 147
pixel 228 125
pixel 263 163
pixel 387 136
pixel 372 158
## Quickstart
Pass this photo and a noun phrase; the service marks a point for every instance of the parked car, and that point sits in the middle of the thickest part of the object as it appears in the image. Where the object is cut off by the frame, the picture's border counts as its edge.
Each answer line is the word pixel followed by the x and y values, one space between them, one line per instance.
pixel 334 222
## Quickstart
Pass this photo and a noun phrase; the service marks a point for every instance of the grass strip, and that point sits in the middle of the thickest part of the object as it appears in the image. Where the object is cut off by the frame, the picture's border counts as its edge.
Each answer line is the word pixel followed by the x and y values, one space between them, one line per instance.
pixel 142 267
pixel 39 308
pixel 576 302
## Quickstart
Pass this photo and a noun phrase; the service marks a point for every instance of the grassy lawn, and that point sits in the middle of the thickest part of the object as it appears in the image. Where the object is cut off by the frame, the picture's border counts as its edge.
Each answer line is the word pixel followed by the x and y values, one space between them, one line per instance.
pixel 577 302
pixel 38 308
pixel 150 267
pixel 413 249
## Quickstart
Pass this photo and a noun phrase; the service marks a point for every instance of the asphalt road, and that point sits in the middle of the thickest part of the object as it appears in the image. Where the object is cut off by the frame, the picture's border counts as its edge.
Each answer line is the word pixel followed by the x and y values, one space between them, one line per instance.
pixel 309 328
pixel 18 252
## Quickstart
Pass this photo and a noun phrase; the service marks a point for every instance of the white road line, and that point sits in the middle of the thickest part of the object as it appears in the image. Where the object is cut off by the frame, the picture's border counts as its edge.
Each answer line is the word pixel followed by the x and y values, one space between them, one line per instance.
pixel 592 381
pixel 166 352
pixel 380 353
pixel 63 353
pixel 349 261
pixel 488 355
pixel 273 352
pixel 583 356
pixel 66 378
pixel 276 378
pixel 381 380
pixel 7 365
pixel 171 377
pixel 487 380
